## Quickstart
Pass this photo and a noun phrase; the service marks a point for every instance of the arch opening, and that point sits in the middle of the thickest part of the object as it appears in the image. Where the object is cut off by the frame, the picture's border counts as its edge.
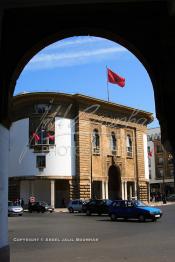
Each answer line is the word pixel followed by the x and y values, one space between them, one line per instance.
pixel 68 55
pixel 114 182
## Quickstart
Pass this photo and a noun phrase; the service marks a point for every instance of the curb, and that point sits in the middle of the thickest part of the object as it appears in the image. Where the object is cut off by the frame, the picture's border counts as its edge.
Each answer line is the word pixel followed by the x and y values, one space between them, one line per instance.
pixel 61 210
pixel 162 204
pixel 56 210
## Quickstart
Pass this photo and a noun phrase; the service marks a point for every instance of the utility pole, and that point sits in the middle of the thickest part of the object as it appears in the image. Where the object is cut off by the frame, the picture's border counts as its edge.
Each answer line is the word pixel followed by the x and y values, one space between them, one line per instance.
pixel 91 162
pixel 174 170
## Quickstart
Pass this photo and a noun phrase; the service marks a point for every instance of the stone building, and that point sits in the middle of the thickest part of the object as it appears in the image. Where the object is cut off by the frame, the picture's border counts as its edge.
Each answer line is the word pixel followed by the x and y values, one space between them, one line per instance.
pixel 66 146
pixel 161 169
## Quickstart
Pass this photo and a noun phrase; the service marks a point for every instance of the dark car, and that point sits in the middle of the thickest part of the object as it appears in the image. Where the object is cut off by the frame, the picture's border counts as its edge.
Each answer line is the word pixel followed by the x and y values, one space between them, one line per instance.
pixel 96 206
pixel 133 209
pixel 40 207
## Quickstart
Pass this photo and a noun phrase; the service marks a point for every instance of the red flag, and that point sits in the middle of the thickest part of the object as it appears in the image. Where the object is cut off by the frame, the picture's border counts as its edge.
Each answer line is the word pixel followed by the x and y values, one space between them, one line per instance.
pixel 35 136
pixel 115 79
pixel 51 137
pixel 150 153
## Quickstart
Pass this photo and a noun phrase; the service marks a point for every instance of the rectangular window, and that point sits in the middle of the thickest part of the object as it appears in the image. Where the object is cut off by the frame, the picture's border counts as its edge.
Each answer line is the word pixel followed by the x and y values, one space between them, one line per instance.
pixel 159 174
pixel 129 145
pixel 159 149
pixel 40 161
pixel 43 137
pixel 160 160
pixel 150 174
pixel 171 172
pixel 149 161
pixel 170 159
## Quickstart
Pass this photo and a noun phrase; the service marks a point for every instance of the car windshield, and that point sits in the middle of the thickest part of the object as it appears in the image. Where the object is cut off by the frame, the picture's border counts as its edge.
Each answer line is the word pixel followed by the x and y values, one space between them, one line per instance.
pixel 139 203
pixel 108 202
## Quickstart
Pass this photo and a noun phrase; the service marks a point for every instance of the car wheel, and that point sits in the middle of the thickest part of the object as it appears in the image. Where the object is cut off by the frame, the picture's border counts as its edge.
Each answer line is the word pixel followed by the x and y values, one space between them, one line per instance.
pixel 141 218
pixel 20 215
pixel 113 217
pixel 71 210
pixel 88 212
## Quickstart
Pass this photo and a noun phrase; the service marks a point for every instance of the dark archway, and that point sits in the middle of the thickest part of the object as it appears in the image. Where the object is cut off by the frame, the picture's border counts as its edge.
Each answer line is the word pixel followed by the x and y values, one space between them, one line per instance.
pixel 147 27
pixel 114 182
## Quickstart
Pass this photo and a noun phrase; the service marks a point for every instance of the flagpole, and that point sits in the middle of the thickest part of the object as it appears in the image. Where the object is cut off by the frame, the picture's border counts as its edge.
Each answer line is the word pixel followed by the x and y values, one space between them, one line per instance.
pixel 107 83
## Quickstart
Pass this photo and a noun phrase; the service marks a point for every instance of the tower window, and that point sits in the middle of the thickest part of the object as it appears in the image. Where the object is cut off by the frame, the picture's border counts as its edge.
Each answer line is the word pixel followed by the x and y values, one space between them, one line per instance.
pixel 40 161
pixel 96 141
pixel 129 145
pixel 113 143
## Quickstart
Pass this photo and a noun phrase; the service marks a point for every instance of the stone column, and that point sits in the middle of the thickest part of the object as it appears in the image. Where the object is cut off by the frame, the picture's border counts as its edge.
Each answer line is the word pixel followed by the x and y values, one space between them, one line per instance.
pixel 106 185
pixel 123 190
pixel 130 192
pixel 126 195
pixel 4 160
pixel 52 190
pixel 103 190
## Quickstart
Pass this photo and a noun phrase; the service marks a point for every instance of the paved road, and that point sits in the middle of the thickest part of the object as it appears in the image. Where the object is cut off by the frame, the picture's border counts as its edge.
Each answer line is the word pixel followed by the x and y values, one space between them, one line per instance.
pixel 76 237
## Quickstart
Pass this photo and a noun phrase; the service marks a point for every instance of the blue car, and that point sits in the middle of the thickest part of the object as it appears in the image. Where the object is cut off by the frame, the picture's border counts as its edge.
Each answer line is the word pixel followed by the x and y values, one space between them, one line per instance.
pixel 133 209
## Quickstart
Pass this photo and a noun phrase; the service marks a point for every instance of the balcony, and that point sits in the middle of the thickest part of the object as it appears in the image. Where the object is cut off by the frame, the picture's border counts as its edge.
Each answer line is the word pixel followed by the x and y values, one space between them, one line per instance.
pixel 114 152
pixel 96 150
pixel 42 148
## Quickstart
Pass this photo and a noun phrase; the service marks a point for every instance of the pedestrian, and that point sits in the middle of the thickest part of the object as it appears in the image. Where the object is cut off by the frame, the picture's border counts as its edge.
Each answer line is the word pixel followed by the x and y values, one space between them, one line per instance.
pixel 63 203
pixel 22 202
pixel 153 198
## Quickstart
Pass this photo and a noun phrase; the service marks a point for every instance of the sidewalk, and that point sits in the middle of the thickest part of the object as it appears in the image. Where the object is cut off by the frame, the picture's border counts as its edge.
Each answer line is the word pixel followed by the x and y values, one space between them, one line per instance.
pixel 160 203
pixel 57 210
pixel 61 210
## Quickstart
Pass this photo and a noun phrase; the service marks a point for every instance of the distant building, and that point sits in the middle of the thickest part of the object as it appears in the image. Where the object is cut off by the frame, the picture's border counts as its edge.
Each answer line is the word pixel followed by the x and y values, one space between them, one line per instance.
pixel 72 146
pixel 161 170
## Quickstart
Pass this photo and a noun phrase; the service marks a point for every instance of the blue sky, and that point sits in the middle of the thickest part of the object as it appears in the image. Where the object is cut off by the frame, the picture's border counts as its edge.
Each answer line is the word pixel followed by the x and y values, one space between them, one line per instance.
pixel 78 65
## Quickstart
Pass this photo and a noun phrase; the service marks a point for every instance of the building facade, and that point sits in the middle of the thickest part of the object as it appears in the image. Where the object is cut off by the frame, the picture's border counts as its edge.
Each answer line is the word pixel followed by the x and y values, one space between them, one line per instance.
pixel 161 169
pixel 64 147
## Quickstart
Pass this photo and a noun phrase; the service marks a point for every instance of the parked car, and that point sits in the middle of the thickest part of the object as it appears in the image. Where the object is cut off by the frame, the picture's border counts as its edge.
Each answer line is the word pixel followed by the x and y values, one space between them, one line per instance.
pixel 133 209
pixel 97 206
pixel 40 207
pixel 76 205
pixel 14 209
pixel 171 198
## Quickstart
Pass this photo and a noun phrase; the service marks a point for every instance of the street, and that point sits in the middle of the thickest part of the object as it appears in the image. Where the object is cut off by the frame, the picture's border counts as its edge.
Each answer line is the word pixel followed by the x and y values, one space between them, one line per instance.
pixel 77 237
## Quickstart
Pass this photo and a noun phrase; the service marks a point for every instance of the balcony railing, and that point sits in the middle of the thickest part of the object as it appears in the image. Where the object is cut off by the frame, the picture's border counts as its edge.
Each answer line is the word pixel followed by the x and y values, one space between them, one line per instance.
pixel 38 148
pixel 96 150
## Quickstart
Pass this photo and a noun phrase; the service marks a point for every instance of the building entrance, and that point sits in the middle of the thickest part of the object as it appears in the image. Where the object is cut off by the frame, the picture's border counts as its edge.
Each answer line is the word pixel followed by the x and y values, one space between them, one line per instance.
pixel 62 193
pixel 114 182
pixel 97 189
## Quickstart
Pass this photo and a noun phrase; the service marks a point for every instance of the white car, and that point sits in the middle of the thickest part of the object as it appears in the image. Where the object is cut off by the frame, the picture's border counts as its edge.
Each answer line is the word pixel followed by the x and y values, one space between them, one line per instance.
pixel 14 209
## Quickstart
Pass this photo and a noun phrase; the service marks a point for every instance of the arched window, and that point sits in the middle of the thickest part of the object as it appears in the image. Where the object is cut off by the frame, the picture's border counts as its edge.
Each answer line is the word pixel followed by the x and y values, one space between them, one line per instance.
pixel 129 145
pixel 113 143
pixel 96 141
